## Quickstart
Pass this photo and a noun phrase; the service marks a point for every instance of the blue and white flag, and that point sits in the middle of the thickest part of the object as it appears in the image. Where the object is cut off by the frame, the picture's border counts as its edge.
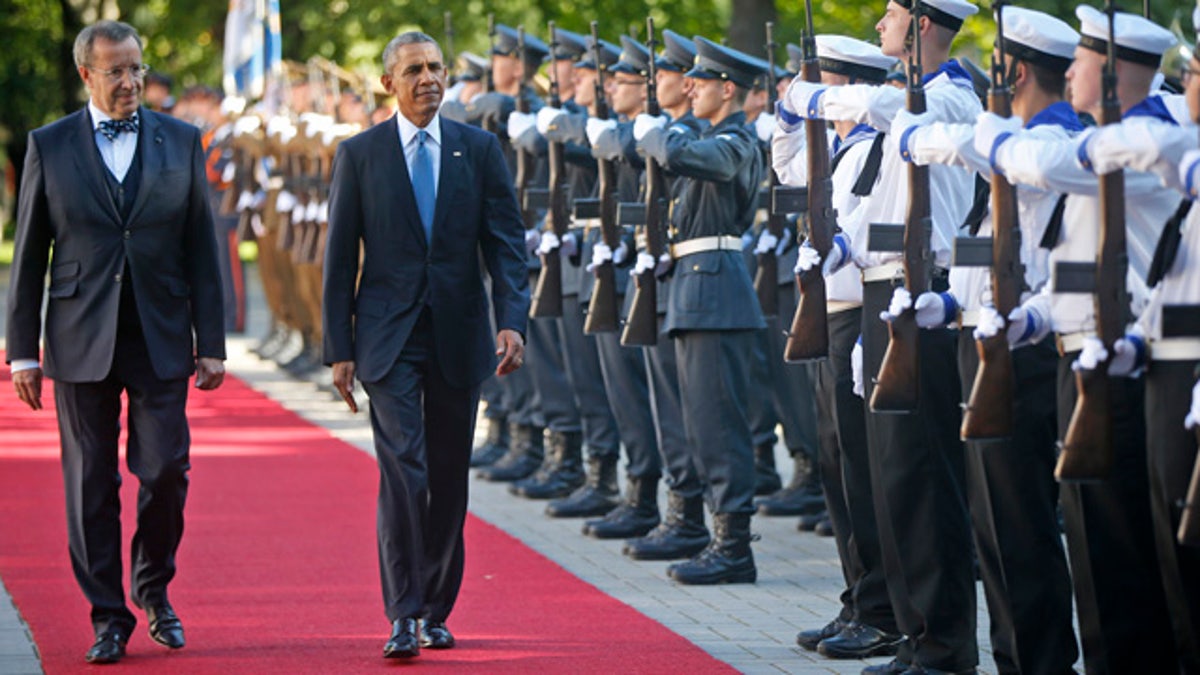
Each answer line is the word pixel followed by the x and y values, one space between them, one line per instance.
pixel 253 56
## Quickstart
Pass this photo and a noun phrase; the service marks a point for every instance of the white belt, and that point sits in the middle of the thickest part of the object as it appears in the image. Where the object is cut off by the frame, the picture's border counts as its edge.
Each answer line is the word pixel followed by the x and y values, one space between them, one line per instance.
pixel 835 306
pixel 969 318
pixel 1070 342
pixel 1175 349
pixel 884 272
pixel 704 244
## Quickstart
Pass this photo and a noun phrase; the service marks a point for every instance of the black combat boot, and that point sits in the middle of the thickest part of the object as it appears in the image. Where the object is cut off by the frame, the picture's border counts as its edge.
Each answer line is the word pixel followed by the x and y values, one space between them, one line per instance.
pixel 681 535
pixel 766 478
pixel 494 447
pixel 596 497
pixel 524 455
pixel 727 559
pixel 562 471
pixel 803 496
pixel 636 516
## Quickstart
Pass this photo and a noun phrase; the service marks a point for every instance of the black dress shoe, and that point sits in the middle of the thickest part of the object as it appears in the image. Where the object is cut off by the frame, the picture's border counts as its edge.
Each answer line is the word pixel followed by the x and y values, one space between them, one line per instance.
pixel 892 667
pixel 108 648
pixel 860 641
pixel 435 635
pixel 165 627
pixel 824 528
pixel 403 643
pixel 809 639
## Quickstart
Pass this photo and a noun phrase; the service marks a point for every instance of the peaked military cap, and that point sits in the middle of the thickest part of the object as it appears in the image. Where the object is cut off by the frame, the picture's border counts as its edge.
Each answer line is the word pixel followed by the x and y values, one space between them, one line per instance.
pixel 1039 38
pixel 853 58
pixel 948 13
pixel 506 44
pixel 571 45
pixel 678 54
pixel 1139 40
pixel 635 58
pixel 716 62
pixel 609 54
pixel 471 67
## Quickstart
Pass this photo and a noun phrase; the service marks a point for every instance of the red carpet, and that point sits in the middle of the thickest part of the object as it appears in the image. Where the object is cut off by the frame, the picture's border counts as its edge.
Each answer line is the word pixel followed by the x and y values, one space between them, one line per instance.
pixel 278 571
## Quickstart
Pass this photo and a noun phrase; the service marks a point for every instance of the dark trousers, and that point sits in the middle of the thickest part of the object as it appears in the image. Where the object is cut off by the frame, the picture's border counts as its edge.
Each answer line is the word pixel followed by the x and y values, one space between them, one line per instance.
pixel 548 368
pixel 587 382
pixel 1123 621
pixel 759 406
pixel 793 385
pixel 846 477
pixel 1171 451
pixel 89 423
pixel 1013 498
pixel 917 477
pixel 713 383
pixel 663 375
pixel 423 429
pixel 624 371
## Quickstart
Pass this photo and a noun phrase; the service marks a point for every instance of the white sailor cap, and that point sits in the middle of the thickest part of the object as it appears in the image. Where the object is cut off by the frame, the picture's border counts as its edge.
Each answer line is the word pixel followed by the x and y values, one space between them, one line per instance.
pixel 948 13
pixel 853 58
pixel 1039 38
pixel 1139 40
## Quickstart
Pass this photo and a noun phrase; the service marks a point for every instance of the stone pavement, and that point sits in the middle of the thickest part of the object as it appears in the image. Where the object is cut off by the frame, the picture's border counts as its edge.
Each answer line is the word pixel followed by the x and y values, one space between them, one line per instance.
pixel 751 627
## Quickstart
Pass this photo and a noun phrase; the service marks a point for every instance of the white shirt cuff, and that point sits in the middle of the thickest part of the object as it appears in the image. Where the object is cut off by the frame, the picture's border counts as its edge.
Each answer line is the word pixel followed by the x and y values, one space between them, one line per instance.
pixel 24 364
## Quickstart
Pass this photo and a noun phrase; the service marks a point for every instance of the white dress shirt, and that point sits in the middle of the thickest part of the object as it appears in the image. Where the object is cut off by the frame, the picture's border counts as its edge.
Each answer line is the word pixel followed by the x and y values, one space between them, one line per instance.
pixel 117 153
pixel 408 141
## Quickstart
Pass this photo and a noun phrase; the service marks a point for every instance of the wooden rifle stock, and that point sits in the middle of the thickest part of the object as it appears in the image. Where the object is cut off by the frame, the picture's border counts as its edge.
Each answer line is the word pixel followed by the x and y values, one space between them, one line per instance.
pixel 1087 451
pixel 603 313
pixel 808 337
pixel 1189 522
pixel 548 292
pixel 898 385
pixel 641 327
pixel 989 410
pixel 766 275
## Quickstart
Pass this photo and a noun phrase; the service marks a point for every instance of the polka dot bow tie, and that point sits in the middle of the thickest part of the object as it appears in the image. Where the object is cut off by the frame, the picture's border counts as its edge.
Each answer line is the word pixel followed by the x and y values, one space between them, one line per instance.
pixel 113 128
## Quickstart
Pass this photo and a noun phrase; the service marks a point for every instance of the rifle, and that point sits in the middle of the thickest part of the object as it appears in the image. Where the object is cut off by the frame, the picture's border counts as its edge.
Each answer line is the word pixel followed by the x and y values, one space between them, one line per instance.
pixel 526 162
pixel 602 309
pixel 489 81
pixel 1189 522
pixel 1087 451
pixel 766 284
pixel 448 22
pixel 897 388
pixel 808 338
pixel 641 327
pixel 989 411
pixel 548 293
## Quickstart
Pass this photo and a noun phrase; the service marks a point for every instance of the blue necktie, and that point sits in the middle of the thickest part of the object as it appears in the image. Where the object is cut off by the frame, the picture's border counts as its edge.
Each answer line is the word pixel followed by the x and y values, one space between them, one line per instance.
pixel 110 129
pixel 423 186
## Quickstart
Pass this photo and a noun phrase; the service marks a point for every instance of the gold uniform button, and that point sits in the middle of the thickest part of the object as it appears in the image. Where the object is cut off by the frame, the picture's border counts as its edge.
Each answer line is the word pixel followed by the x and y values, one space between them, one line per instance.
pixel 695 268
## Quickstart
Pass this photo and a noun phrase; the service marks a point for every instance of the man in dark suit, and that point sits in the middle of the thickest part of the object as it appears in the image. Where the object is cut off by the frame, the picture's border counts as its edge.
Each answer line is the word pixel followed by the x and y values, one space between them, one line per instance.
pixel 425 197
pixel 119 192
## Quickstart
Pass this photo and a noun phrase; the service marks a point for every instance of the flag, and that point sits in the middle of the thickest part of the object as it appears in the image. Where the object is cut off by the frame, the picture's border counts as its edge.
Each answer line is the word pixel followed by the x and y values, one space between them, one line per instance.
pixel 253 55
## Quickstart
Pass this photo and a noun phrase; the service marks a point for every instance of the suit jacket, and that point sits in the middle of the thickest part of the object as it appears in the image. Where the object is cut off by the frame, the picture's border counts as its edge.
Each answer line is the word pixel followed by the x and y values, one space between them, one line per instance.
pixel 167 245
pixel 371 201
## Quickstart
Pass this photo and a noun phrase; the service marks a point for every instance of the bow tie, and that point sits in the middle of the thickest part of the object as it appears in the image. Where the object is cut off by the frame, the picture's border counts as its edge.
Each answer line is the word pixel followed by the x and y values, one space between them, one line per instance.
pixel 113 128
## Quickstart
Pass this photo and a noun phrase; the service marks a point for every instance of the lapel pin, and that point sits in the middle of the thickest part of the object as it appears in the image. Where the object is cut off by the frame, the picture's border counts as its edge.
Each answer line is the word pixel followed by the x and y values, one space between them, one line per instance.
pixel 158 139
pixel 457 153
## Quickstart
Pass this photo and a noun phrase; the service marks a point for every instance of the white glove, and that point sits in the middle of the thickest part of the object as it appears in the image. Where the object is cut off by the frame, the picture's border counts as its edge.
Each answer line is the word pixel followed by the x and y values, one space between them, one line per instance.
pixel 766 242
pixel 645 262
pixel 1024 325
pixel 764 126
pixel 519 123
pixel 665 263
pixel 596 126
pixel 549 242
pixel 901 300
pixel 785 118
pixel 1129 354
pixel 990 323
pixel 935 310
pixel 620 254
pixel 1092 354
pixel 601 254
pixel 806 258
pixel 856 368
pixel 533 239
pixel 1189 172
pixel 643 123
pixel 989 127
pixel 804 98
pixel 570 245
pixel 839 254
pixel 1193 417
pixel 546 117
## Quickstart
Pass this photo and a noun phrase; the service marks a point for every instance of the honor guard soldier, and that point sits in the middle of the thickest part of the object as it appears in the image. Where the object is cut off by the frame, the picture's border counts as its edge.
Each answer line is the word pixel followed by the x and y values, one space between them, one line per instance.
pixel 865 626
pixel 1010 484
pixel 713 312
pixel 1123 618
pixel 682 532
pixel 472 69
pixel 917 467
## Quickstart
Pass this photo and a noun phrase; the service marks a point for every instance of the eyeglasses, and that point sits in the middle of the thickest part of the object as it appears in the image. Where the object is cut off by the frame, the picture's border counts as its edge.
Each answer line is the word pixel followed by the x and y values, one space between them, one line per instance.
pixel 136 72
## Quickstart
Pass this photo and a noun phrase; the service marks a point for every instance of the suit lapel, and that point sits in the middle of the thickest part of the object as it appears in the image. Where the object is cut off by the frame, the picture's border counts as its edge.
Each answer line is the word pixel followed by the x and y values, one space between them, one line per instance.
pixel 150 149
pixel 454 157
pixel 89 164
